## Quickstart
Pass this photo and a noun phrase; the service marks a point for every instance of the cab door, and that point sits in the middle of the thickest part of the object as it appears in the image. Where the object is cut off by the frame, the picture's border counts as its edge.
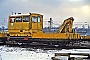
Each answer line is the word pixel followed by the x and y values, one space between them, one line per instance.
pixel 36 22
pixel 40 22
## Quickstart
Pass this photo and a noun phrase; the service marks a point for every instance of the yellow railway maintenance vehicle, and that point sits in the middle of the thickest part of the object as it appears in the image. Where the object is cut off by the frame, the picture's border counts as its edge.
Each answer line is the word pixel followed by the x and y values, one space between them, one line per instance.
pixel 28 28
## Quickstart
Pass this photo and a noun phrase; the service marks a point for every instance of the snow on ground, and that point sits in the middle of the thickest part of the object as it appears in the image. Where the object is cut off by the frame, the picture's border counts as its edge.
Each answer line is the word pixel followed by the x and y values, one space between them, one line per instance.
pixel 16 53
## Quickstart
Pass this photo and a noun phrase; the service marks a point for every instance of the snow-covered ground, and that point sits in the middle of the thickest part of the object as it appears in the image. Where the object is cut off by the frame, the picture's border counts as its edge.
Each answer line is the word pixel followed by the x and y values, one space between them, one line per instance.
pixel 16 53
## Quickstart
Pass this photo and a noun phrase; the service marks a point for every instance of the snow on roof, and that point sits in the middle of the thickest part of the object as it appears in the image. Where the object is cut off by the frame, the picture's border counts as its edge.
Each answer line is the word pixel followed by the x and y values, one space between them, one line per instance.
pixel 19 14
pixel 78 56
pixel 63 52
pixel 75 56
pixel 77 52
pixel 73 52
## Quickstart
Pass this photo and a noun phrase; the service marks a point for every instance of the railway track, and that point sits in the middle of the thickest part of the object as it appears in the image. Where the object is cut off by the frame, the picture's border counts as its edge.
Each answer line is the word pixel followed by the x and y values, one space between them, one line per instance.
pixel 48 46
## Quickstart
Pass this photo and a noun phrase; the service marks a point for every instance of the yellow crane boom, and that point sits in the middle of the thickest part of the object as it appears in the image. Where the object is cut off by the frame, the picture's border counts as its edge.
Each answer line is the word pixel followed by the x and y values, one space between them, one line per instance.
pixel 66 26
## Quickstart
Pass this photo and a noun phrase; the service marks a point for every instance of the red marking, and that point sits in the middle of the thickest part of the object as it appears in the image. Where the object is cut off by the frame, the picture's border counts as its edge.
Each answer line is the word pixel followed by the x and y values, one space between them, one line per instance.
pixel 10 19
pixel 25 38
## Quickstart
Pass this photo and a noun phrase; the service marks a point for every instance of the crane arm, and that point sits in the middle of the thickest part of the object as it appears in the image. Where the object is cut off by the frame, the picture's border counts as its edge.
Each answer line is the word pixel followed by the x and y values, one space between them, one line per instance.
pixel 66 26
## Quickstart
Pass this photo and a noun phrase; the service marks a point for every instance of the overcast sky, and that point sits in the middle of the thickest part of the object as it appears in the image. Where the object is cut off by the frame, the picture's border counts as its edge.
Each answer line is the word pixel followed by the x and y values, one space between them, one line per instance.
pixel 57 9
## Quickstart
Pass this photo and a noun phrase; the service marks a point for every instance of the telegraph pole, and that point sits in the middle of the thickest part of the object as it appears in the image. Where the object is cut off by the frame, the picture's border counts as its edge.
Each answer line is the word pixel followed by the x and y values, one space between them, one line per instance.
pixel 3 26
pixel 50 24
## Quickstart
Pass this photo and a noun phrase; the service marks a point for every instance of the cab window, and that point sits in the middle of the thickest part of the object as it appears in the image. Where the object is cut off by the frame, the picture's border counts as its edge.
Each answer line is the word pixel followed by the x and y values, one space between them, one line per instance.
pixel 18 19
pixel 12 19
pixel 26 19
pixel 38 18
pixel 34 19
